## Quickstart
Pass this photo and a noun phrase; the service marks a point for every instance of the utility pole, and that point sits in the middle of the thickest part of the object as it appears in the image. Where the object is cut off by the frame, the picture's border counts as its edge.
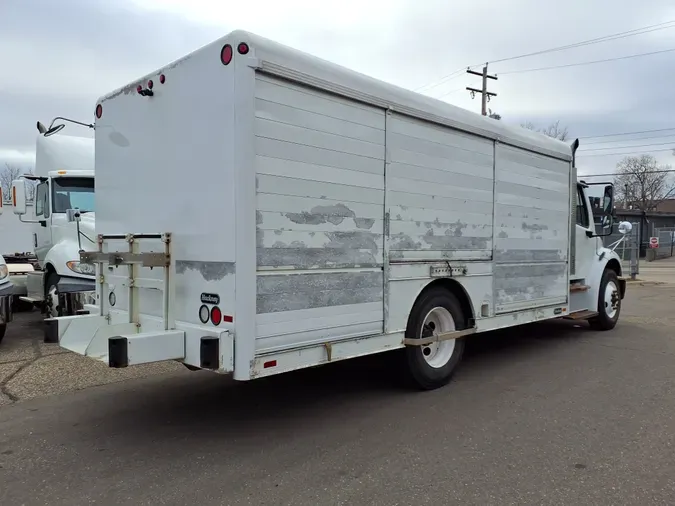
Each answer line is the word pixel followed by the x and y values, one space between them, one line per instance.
pixel 485 94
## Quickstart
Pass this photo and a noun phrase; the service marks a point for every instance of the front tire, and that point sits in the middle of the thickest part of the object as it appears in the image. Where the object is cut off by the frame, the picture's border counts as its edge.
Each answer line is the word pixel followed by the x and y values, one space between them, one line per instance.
pixel 609 302
pixel 432 366
pixel 52 307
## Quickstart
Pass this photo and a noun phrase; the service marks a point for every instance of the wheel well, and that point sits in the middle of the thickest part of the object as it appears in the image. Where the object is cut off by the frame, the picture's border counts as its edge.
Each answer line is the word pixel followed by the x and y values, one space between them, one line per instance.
pixel 614 265
pixel 458 291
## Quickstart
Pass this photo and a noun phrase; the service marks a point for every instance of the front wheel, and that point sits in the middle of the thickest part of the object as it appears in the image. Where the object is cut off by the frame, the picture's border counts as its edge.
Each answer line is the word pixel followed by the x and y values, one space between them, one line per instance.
pixel 432 366
pixel 609 302
pixel 52 305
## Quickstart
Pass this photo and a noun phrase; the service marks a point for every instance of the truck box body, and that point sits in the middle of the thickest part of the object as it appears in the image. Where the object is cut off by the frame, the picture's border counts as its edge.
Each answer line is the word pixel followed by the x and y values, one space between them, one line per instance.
pixel 313 204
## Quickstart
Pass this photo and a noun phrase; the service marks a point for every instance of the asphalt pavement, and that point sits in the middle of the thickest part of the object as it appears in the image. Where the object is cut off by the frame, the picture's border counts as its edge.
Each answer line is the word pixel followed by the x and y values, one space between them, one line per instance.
pixel 545 414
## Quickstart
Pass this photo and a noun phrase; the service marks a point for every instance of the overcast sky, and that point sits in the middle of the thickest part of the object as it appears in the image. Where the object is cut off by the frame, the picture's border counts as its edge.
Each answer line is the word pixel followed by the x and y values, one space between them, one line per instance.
pixel 58 56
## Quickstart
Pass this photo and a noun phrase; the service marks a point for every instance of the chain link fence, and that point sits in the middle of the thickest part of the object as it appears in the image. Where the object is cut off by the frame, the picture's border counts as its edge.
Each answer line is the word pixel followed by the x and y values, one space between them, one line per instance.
pixel 666 237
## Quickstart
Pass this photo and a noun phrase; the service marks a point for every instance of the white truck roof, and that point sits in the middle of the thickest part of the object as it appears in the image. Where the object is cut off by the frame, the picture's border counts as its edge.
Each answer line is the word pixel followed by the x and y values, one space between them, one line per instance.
pixel 284 59
pixel 63 152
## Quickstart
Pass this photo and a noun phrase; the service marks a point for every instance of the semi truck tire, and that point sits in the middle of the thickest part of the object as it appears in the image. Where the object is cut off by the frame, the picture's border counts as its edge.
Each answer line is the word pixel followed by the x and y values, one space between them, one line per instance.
pixel 51 295
pixel 428 367
pixel 609 302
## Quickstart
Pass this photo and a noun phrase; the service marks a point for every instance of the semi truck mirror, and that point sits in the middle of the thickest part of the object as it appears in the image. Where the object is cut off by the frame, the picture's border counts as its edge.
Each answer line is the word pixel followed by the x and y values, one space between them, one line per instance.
pixel 625 227
pixel 54 129
pixel 72 215
pixel 19 196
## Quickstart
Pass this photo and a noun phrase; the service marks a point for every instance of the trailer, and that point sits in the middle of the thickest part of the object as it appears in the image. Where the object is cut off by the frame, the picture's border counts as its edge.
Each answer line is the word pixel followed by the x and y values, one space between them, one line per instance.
pixel 261 210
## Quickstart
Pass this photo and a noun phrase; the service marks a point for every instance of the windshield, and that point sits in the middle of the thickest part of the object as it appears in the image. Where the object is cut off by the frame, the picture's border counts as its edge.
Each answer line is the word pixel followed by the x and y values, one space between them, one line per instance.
pixel 72 192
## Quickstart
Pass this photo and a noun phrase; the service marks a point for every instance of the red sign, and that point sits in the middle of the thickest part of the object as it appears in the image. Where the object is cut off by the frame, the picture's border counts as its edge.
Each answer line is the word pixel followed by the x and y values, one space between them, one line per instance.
pixel 653 242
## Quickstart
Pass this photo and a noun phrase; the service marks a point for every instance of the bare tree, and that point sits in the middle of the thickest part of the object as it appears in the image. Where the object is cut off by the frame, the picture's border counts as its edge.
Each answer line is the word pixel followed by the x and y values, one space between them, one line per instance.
pixel 642 183
pixel 553 130
pixel 9 174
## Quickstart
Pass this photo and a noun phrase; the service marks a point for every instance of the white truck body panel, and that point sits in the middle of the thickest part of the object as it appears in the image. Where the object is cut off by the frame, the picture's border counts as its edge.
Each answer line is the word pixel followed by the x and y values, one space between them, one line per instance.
pixel 316 203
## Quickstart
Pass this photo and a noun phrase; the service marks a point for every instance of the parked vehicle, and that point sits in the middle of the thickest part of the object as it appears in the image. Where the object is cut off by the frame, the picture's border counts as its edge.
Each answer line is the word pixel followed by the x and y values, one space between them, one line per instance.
pixel 64 172
pixel 6 297
pixel 302 213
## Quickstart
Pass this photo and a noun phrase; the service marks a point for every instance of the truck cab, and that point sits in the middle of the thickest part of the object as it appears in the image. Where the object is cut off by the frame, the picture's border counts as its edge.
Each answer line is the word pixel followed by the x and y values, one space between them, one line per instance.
pixel 64 178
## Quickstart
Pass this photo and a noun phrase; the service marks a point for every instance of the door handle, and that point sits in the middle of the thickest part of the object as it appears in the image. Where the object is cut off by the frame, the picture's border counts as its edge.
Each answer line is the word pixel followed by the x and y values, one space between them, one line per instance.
pixel 34 240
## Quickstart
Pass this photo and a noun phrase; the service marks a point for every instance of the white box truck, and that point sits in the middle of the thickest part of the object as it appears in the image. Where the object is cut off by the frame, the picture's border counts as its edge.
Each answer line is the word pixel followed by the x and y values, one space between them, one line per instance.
pixel 64 173
pixel 260 210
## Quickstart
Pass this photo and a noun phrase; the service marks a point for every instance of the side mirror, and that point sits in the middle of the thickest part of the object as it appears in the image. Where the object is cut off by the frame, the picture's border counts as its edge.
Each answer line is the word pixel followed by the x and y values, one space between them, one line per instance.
pixel 54 129
pixel 73 215
pixel 19 196
pixel 625 227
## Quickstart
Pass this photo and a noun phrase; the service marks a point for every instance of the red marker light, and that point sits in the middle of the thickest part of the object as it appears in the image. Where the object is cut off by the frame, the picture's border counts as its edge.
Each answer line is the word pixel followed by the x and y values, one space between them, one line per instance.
pixel 150 84
pixel 226 54
pixel 269 363
pixel 216 315
pixel 99 111
pixel 139 88
pixel 242 48
pixel 227 318
pixel 162 78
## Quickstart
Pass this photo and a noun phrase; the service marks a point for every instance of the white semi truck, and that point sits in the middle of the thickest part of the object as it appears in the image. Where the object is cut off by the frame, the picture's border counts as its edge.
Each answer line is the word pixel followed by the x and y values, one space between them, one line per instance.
pixel 301 213
pixel 64 173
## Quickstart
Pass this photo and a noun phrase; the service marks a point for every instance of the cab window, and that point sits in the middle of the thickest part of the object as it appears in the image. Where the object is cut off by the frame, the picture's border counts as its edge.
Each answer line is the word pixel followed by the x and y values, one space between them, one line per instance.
pixel 41 200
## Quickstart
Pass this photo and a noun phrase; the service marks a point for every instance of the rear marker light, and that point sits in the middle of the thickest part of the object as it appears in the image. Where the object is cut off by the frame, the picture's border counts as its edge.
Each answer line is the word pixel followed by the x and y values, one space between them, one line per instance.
pixel 242 48
pixel 99 111
pixel 204 314
pixel 269 363
pixel 227 318
pixel 162 78
pixel 139 88
pixel 216 315
pixel 226 54
pixel 150 84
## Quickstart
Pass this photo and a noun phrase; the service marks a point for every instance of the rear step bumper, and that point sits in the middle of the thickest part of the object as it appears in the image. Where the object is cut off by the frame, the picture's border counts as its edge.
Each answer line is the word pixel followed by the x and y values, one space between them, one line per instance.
pixel 118 345
pixel 126 344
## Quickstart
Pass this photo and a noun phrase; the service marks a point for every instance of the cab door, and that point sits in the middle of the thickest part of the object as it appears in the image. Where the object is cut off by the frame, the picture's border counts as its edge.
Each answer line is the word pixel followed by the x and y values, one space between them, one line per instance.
pixel 585 248
pixel 42 235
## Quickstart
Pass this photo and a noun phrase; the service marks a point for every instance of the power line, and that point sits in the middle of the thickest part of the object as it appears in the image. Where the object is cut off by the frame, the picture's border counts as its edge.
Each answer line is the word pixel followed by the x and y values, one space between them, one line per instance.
pixel 627 152
pixel 597 40
pixel 617 174
pixel 593 143
pixel 672 143
pixel 587 62
pixel 627 133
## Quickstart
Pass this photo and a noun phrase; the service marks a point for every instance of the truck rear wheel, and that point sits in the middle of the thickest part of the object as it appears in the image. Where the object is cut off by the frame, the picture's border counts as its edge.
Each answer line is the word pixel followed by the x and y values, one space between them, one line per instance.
pixel 432 366
pixel 609 302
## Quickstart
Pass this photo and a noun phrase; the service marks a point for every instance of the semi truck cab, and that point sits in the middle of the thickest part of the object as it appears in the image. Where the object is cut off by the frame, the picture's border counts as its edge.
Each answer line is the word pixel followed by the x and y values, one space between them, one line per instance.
pixel 65 181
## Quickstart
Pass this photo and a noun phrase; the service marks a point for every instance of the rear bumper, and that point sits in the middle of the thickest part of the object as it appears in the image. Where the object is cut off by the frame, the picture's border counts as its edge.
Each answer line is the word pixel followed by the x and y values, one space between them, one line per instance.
pixel 6 298
pixel 125 344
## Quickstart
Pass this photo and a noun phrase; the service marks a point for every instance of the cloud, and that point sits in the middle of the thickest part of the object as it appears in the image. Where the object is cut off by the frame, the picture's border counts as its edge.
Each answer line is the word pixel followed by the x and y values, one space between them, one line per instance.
pixel 64 55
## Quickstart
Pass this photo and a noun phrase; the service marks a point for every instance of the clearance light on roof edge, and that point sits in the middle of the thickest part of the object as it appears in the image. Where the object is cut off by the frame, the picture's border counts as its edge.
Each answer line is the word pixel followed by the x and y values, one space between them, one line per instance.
pixel 162 78
pixel 242 48
pixel 99 111
pixel 226 54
